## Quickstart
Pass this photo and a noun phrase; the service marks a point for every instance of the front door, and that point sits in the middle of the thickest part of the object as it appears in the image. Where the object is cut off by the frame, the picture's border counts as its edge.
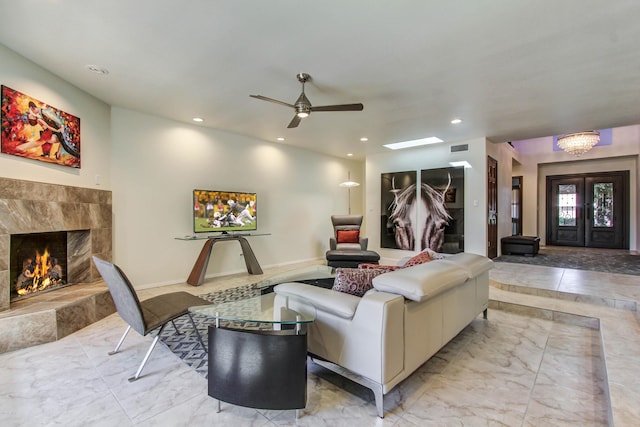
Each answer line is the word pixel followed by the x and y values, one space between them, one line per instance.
pixel 588 210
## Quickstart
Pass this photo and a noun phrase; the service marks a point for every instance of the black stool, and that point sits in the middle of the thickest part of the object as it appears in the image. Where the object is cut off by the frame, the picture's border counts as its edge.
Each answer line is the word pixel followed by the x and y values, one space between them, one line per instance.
pixel 522 245
pixel 351 258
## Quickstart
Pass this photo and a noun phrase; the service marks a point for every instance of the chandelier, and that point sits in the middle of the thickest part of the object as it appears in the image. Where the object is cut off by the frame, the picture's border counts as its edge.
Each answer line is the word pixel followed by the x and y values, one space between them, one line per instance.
pixel 579 143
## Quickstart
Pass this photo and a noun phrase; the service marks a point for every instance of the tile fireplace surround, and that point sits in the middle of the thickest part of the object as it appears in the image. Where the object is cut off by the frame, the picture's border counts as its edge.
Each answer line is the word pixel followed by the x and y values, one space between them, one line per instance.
pixel 34 207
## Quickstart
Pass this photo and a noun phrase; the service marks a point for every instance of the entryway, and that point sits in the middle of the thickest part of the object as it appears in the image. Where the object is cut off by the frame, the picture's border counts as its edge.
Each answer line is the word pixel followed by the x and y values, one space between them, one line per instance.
pixel 589 210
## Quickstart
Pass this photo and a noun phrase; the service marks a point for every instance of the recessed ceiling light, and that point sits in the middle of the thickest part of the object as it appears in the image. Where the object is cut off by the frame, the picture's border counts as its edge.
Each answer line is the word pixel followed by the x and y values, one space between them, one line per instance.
pixel 413 143
pixel 97 69
pixel 364 139
pixel 456 121
pixel 349 154
pixel 198 119
pixel 280 138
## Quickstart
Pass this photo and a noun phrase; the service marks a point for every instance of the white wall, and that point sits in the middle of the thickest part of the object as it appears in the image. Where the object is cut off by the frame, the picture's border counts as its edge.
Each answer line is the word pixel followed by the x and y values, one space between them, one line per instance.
pixel 156 165
pixel 431 157
pixel 152 166
pixel 538 160
pixel 23 75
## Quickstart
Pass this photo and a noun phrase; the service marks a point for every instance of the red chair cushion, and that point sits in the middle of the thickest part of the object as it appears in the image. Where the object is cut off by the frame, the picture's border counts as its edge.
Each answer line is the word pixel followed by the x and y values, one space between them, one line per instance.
pixel 348 236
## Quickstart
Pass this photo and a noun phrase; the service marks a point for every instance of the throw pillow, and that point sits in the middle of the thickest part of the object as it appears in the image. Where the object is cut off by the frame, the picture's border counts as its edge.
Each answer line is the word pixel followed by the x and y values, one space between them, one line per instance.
pixel 421 258
pixel 355 281
pixel 386 268
pixel 435 255
pixel 348 236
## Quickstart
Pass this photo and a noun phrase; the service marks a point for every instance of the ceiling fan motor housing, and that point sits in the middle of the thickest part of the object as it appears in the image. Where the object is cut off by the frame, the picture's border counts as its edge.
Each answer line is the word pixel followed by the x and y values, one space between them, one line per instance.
pixel 303 77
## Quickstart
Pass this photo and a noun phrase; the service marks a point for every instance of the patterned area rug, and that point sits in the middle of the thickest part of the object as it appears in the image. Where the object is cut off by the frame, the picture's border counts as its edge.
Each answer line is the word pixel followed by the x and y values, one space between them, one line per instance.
pixel 607 261
pixel 186 345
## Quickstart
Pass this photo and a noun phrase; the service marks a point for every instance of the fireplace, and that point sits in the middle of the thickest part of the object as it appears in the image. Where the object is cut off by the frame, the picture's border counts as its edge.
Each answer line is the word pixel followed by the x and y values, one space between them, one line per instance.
pixel 38 263
pixel 75 223
pixel 72 223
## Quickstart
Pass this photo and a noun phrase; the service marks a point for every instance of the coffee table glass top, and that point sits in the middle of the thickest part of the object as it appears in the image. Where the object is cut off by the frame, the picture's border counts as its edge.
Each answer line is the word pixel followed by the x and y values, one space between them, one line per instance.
pixel 260 309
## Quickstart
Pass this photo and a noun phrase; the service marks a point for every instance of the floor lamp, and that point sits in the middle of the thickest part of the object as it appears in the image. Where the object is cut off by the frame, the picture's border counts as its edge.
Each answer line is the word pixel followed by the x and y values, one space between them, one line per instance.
pixel 348 184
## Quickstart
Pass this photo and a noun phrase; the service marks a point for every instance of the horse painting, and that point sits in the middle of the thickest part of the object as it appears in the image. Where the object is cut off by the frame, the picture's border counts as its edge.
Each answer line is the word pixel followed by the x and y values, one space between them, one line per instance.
pixel 430 206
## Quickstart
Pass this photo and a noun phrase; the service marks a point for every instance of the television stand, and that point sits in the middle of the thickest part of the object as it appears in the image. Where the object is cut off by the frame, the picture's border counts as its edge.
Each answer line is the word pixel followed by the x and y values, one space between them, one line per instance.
pixel 196 278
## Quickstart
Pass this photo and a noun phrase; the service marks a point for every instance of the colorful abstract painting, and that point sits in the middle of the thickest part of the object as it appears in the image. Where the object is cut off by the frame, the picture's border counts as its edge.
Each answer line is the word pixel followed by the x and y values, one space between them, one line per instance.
pixel 35 130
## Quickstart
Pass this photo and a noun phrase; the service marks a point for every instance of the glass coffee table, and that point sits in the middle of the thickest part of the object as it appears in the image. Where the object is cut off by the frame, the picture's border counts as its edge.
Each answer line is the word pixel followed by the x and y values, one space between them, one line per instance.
pixel 318 275
pixel 258 351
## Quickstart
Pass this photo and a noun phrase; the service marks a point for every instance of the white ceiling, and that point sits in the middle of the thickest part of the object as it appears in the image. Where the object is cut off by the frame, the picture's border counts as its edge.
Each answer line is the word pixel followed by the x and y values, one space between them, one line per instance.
pixel 510 69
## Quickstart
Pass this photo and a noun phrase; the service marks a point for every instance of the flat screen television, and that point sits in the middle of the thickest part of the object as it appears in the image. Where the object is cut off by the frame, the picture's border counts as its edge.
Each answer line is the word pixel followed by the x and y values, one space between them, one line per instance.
pixel 224 211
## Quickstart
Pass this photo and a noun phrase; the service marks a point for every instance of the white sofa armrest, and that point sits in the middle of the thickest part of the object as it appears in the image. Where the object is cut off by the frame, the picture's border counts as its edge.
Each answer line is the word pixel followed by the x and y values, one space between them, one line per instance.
pixel 364 335
pixel 374 341
pixel 334 302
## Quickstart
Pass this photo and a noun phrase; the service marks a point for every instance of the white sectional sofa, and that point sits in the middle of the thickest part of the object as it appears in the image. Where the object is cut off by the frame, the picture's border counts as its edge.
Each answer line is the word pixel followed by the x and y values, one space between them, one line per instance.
pixel 379 339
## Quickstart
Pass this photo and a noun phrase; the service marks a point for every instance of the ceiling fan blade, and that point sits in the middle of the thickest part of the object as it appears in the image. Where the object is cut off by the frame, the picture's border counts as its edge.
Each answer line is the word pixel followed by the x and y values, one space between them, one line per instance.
pixel 295 122
pixel 342 107
pixel 275 101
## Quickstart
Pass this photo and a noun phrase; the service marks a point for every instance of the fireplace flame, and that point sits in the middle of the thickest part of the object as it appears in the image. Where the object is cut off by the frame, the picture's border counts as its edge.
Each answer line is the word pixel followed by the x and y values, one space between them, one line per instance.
pixel 39 274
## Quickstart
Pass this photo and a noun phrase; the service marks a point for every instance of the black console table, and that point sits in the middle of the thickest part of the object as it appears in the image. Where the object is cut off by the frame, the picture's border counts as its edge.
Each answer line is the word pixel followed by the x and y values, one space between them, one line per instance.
pixel 196 278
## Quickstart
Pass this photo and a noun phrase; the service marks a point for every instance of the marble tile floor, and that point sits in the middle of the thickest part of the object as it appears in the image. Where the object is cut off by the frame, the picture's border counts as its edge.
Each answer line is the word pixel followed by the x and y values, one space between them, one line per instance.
pixel 516 369
pixel 610 299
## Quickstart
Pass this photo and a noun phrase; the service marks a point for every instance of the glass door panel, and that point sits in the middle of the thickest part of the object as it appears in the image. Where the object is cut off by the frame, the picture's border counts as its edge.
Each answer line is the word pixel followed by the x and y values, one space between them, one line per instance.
pixel 567 205
pixel 603 204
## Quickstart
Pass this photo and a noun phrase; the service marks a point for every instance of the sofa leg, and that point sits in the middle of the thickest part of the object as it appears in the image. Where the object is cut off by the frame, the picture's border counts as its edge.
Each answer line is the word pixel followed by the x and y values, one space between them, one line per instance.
pixel 485 314
pixel 379 396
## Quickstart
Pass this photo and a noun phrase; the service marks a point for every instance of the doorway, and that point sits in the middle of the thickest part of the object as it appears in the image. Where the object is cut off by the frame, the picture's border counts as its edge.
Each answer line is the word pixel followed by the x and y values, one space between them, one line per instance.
pixel 492 204
pixel 588 210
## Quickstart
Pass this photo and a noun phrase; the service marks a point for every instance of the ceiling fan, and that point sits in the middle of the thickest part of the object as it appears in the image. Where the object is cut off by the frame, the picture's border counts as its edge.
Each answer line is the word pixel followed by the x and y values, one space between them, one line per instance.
pixel 303 106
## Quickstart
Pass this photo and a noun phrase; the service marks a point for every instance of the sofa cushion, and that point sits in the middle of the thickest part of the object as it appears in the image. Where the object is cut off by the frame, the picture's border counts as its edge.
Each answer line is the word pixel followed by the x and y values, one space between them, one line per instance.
pixel 348 236
pixel 327 300
pixel 421 282
pixel 355 281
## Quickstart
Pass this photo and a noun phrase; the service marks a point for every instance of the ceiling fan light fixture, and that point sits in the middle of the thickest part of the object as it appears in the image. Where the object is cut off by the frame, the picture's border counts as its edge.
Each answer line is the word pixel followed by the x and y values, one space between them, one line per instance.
pixel 578 143
pixel 303 107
